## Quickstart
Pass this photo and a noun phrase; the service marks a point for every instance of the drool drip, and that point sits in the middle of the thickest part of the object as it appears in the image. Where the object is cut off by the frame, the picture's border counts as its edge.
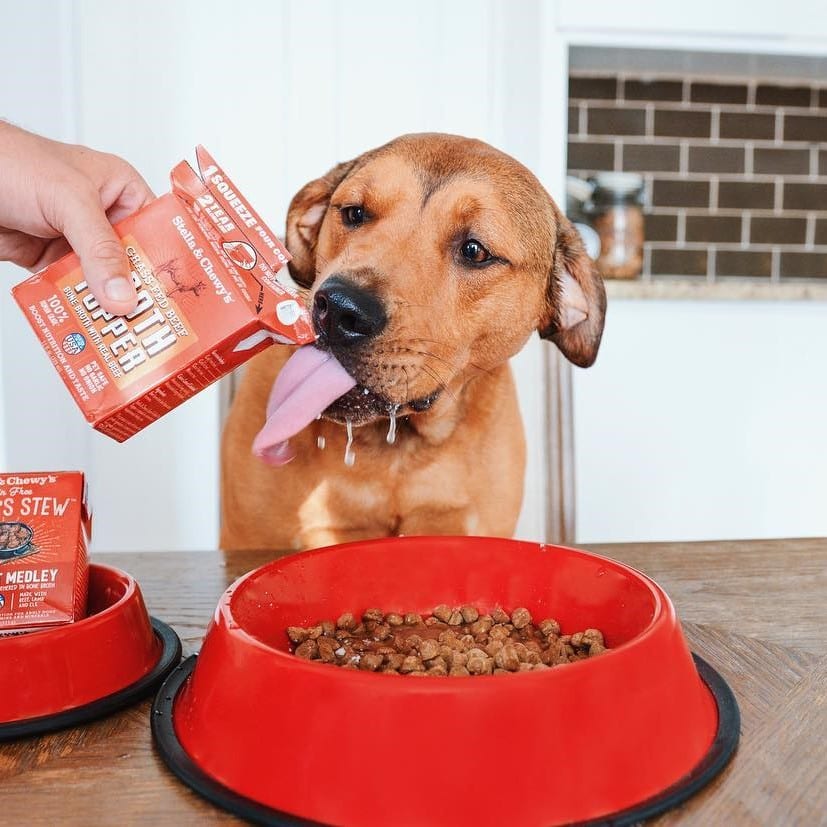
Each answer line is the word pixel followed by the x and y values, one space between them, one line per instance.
pixel 391 437
pixel 350 456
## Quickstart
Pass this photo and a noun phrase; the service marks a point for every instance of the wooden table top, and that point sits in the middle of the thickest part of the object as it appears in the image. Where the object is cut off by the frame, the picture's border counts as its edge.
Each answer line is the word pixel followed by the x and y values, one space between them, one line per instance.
pixel 756 610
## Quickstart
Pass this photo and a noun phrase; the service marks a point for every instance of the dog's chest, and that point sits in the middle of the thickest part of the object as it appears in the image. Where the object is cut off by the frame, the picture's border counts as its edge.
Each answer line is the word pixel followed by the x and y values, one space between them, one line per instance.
pixel 388 481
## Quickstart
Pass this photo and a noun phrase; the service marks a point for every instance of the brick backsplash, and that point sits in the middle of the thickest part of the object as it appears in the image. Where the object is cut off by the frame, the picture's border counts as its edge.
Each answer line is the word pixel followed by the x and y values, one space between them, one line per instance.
pixel 735 172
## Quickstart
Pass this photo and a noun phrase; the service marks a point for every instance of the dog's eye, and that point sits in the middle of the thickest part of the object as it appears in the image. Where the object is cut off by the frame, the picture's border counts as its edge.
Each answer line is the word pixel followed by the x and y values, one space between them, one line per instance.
pixel 474 252
pixel 353 216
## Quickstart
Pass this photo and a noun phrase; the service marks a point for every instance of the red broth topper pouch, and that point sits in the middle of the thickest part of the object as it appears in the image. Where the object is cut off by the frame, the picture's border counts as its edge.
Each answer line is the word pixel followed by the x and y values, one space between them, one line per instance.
pixel 45 525
pixel 204 265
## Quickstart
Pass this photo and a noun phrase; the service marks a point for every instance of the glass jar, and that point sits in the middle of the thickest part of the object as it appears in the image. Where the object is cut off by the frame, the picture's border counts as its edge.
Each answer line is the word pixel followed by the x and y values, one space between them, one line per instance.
pixel 616 209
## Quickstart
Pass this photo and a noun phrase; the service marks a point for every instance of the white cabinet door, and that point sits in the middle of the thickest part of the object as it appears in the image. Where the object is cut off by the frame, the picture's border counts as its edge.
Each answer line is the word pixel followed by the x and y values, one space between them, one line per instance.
pixel 708 18
pixel 703 420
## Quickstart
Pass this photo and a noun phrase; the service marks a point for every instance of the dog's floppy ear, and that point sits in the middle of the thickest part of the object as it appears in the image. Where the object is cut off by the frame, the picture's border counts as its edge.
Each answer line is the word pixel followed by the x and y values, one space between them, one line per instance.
pixel 576 298
pixel 304 218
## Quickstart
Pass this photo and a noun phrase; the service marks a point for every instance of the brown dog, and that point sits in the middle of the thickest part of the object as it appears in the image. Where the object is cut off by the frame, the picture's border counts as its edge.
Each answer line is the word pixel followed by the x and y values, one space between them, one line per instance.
pixel 430 262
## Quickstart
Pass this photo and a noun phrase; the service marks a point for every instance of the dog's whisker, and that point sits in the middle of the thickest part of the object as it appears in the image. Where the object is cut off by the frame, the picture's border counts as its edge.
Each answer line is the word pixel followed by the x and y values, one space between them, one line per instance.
pixel 441 386
pixel 427 355
pixel 407 381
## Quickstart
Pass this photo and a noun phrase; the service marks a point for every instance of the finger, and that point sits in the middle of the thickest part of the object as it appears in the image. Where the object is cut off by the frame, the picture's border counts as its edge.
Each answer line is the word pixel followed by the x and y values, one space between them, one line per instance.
pixel 125 194
pixel 53 249
pixel 102 258
pixel 21 248
pixel 132 197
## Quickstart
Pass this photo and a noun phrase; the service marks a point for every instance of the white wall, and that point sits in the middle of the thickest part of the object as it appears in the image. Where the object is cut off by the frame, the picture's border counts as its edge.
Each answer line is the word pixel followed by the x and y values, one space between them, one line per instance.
pixel 279 92
pixel 42 428
pixel 704 420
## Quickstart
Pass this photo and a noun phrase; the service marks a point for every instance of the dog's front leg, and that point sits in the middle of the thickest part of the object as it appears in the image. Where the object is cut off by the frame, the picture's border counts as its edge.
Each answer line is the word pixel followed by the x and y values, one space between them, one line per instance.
pixel 320 537
pixel 433 520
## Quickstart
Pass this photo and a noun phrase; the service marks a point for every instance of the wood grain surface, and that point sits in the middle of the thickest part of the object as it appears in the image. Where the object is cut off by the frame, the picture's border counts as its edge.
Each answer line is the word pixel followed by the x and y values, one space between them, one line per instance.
pixel 756 610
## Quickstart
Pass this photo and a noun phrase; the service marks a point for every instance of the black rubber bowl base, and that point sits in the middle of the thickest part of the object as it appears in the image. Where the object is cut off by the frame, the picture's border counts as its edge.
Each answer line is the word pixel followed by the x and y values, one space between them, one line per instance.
pixel 717 757
pixel 170 656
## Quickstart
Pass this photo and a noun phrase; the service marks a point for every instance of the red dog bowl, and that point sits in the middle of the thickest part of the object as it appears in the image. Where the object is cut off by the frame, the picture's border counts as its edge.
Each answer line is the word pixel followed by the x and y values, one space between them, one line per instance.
pixel 281 740
pixel 76 672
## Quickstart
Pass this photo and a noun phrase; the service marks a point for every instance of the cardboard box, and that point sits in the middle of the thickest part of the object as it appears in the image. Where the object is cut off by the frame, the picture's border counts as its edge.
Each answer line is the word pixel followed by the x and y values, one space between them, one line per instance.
pixel 45 525
pixel 204 264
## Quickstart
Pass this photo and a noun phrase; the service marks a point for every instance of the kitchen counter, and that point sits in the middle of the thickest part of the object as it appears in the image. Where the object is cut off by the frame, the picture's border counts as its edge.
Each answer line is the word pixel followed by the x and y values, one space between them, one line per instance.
pixel 682 287
pixel 756 610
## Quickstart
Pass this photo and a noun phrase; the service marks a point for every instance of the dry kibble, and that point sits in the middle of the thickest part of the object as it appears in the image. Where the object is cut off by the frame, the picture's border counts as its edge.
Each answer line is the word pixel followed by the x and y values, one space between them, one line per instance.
pixel 308 649
pixel 395 661
pixel 346 621
pixel 482 626
pixel 499 632
pixel 521 651
pixel 507 658
pixel 327 647
pixel 452 641
pixel 371 661
pixel 297 634
pixel 411 664
pixel 520 618
pixel 493 647
pixel 411 644
pixel 428 649
pixel 476 666
pixel 549 627
pixel 469 614
pixel 382 631
pixel 442 612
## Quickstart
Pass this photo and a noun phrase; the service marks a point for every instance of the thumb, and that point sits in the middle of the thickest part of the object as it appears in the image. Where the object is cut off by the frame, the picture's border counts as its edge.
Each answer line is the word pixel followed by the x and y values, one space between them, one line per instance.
pixel 102 258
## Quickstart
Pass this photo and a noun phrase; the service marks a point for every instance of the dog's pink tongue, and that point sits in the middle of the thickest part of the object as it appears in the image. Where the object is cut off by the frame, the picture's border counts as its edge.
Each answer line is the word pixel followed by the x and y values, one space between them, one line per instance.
pixel 306 385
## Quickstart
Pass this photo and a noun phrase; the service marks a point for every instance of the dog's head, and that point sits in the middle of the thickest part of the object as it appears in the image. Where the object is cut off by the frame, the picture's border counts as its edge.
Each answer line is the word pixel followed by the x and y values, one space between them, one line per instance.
pixel 434 258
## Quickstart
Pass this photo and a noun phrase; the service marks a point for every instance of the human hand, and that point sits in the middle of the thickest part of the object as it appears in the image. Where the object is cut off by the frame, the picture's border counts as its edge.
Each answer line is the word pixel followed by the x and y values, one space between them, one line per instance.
pixel 57 197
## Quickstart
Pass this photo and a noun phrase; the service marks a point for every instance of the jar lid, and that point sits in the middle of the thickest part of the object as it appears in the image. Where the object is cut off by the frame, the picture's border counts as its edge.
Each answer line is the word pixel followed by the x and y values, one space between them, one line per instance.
pixel 578 188
pixel 623 183
pixel 616 188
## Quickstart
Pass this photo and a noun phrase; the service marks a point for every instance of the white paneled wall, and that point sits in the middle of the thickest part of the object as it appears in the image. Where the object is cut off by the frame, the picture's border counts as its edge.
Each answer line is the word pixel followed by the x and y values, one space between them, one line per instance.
pixel 42 428
pixel 279 92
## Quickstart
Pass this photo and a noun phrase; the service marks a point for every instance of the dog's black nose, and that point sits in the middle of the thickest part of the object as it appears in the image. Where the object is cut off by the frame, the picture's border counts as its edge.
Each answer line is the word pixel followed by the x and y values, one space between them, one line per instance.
pixel 347 314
